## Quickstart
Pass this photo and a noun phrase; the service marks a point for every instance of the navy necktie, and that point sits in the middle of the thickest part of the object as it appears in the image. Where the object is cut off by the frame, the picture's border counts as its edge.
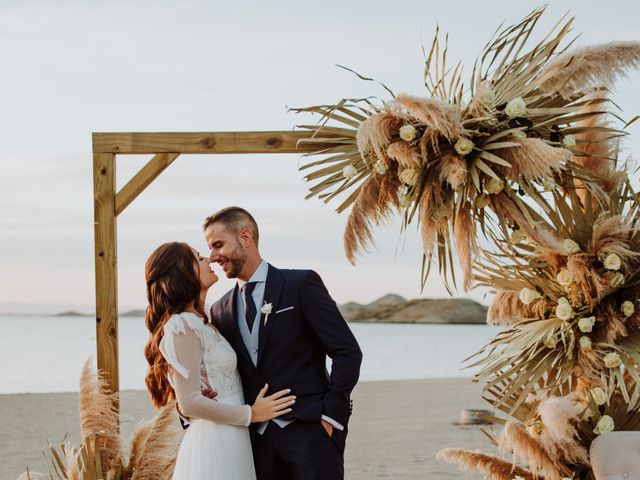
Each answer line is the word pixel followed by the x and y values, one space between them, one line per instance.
pixel 250 306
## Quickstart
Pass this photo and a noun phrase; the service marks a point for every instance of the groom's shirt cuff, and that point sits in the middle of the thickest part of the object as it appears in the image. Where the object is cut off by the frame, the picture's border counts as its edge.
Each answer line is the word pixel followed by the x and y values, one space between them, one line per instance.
pixel 333 423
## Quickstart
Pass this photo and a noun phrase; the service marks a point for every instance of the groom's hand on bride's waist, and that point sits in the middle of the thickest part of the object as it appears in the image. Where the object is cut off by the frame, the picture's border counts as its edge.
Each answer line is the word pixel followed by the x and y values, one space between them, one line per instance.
pixel 209 393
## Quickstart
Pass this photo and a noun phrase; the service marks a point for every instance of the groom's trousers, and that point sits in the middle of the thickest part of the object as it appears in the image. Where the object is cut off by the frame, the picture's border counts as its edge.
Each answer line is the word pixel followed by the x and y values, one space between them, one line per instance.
pixel 299 451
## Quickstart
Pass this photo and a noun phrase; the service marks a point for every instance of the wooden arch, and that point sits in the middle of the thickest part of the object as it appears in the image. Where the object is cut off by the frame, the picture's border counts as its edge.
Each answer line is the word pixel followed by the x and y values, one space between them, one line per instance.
pixel 109 203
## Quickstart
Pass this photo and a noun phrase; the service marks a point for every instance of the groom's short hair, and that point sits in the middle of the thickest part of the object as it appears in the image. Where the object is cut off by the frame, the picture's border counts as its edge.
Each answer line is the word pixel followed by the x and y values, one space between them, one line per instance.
pixel 234 219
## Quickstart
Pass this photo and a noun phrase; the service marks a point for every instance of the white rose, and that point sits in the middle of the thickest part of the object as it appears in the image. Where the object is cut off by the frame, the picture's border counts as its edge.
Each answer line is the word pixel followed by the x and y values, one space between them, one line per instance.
pixel 563 301
pixel 586 324
pixel 408 132
pixel 585 343
pixel 564 277
pixel 266 308
pixel 463 146
pixel 516 108
pixel 564 311
pixel 494 186
pixel 612 262
pixel 548 186
pixel 349 172
pixel 599 395
pixel 519 134
pixel 517 236
pixel 482 201
pixel 550 341
pixel 627 308
pixel 570 247
pixel 569 141
pixel 527 295
pixel 380 167
pixel 409 176
pixel 487 98
pixel 605 424
pixel 612 360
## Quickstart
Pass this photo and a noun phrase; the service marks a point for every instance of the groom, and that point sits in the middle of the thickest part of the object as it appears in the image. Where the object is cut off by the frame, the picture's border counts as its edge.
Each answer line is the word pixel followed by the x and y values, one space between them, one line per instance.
pixel 282 325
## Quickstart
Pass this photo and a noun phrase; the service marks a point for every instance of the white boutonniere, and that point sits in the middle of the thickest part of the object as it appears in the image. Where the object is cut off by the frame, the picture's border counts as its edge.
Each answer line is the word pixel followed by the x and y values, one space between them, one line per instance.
pixel 266 310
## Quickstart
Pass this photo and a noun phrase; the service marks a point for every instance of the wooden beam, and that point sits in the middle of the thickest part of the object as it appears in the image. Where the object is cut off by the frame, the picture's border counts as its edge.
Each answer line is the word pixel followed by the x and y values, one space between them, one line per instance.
pixel 142 179
pixel 104 187
pixel 206 142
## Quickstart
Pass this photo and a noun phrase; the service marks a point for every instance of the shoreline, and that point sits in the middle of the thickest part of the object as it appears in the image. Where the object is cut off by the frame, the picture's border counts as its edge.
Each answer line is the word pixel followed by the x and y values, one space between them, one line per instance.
pixel 395 431
pixel 133 391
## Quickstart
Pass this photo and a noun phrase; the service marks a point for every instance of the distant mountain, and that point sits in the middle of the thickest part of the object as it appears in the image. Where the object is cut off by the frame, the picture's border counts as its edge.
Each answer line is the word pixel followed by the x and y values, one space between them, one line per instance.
pixel 73 313
pixel 395 309
pixel 390 308
pixel 388 299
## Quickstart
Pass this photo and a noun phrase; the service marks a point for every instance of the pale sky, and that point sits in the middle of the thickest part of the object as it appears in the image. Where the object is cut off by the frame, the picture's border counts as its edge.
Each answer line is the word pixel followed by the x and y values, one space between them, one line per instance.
pixel 69 68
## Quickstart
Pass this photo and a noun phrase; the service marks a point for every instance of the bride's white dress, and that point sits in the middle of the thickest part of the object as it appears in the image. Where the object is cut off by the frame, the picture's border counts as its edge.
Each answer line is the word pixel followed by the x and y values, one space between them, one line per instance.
pixel 216 445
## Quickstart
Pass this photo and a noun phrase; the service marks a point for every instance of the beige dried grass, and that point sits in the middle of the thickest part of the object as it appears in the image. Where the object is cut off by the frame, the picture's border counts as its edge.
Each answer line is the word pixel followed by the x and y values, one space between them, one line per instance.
pixel 138 441
pixel 367 212
pixel 534 161
pixel 560 437
pixel 158 455
pixel 440 118
pixel 515 440
pixel 493 467
pixel 588 67
pixel 404 154
pixel 375 132
pixel 453 170
pixel 611 234
pixel 507 309
pixel 98 414
pixel 464 230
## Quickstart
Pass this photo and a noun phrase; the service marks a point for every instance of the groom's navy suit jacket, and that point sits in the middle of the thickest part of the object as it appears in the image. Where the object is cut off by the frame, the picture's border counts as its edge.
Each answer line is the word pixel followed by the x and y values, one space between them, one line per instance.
pixel 293 345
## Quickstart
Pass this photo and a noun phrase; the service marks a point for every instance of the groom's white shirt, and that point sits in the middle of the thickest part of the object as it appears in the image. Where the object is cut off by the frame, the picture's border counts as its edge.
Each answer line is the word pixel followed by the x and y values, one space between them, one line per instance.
pixel 260 279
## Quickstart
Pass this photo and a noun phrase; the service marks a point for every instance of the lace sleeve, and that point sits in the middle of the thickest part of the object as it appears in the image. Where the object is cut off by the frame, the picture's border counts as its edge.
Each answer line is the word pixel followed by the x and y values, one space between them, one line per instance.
pixel 185 352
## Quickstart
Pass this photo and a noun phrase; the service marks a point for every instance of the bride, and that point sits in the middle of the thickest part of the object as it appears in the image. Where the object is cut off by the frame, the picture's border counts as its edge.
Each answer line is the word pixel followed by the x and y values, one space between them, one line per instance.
pixel 186 354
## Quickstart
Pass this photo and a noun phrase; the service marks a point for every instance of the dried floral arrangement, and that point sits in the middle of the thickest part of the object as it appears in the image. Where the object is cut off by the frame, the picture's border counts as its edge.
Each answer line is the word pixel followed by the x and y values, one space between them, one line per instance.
pixel 102 454
pixel 527 157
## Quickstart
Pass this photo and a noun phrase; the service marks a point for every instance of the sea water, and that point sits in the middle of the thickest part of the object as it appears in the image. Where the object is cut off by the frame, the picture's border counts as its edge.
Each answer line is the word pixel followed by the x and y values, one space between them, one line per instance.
pixel 46 354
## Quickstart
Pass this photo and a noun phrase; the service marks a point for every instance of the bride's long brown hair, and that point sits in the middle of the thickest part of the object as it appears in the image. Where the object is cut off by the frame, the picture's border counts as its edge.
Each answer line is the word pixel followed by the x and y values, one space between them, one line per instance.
pixel 173 283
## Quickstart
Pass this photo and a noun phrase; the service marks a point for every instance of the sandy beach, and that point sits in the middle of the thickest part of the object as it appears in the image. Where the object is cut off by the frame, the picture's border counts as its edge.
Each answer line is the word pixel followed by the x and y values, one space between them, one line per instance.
pixel 396 429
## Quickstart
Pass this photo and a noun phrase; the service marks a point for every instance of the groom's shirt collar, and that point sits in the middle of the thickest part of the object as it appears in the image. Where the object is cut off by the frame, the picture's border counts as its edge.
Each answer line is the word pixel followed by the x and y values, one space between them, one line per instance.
pixel 260 275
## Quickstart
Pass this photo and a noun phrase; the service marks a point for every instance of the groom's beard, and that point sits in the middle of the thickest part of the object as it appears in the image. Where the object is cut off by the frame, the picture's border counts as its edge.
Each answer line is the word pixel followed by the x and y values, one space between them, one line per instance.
pixel 237 261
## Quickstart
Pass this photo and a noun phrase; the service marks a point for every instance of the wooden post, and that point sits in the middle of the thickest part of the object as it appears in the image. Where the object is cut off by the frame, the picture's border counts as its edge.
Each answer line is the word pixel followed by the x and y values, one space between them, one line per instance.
pixel 143 179
pixel 104 190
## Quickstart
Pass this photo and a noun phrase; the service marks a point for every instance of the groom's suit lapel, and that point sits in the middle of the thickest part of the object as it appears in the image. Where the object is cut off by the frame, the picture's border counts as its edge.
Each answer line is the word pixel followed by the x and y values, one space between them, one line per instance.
pixel 272 294
pixel 232 318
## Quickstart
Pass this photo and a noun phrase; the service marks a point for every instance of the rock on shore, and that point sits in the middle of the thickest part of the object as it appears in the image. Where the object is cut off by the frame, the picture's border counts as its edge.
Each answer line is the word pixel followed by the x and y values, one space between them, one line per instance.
pixel 395 309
